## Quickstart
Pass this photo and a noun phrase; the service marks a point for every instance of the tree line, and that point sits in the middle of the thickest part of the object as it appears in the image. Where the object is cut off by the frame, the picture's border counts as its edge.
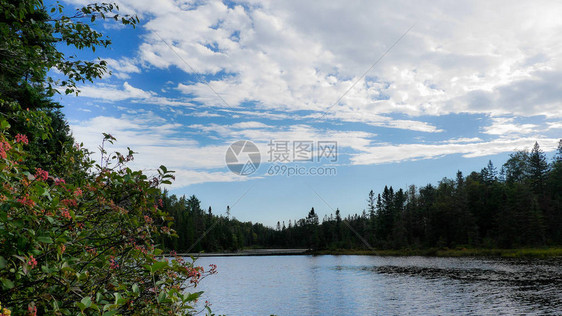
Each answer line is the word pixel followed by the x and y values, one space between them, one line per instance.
pixel 517 205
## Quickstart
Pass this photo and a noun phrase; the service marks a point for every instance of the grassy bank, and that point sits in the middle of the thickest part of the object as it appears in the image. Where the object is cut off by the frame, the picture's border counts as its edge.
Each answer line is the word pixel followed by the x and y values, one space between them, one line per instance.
pixel 457 252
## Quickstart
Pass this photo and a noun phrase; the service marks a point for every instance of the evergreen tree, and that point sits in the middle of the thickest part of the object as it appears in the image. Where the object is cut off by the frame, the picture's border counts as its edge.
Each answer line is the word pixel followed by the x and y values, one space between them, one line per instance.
pixel 371 204
pixel 517 167
pixel 489 174
pixel 538 168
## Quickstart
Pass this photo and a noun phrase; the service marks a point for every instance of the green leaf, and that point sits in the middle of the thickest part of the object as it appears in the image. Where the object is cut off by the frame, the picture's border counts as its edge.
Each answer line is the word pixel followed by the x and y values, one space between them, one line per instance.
pixel 117 297
pixel 50 219
pixel 161 297
pixel 81 306
pixel 4 124
pixel 45 239
pixel 98 297
pixel 157 266
pixel 7 283
pixel 87 301
pixel 45 268
pixel 188 297
pixel 3 262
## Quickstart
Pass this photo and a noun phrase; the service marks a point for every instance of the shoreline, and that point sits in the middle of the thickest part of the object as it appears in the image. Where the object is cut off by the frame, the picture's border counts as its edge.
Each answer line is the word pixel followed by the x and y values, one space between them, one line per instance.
pixel 250 252
pixel 548 252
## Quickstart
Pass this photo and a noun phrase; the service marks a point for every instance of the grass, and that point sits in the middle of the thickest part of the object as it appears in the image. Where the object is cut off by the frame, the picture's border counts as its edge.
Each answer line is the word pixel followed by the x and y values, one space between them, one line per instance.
pixel 456 252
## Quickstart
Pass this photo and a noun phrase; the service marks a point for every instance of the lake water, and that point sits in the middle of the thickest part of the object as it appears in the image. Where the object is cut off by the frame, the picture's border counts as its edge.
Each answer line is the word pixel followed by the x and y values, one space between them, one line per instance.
pixel 371 285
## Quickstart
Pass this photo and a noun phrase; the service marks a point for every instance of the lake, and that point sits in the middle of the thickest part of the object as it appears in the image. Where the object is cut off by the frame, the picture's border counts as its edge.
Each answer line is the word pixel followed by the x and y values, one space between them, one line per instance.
pixel 372 285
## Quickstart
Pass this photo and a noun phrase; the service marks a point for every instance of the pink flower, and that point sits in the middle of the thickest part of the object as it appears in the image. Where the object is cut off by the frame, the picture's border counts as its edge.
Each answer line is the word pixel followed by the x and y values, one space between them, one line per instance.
pixel 32 262
pixel 91 250
pixel 26 201
pixel 41 174
pixel 66 214
pixel 69 202
pixel 22 139
pixel 113 263
pixel 78 192
pixel 213 269
pixel 59 181
pixel 32 310
pixel 147 219
pixel 4 147
pixel 141 249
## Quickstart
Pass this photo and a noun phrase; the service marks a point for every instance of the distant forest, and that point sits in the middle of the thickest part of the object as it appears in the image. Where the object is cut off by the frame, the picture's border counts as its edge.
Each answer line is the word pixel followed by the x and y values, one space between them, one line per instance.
pixel 517 205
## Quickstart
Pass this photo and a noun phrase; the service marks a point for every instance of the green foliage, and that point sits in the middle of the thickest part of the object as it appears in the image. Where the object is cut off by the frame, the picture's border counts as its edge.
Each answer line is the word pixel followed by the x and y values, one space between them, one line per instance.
pixel 75 237
pixel 47 132
pixel 30 33
pixel 84 241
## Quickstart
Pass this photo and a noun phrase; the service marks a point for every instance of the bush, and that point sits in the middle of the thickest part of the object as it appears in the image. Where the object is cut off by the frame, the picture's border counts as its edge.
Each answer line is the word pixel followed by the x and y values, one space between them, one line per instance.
pixel 83 241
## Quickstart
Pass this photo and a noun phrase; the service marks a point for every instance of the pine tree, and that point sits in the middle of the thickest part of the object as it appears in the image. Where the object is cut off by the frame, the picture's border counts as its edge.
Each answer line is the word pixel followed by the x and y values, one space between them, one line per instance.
pixel 371 204
pixel 538 168
pixel 489 174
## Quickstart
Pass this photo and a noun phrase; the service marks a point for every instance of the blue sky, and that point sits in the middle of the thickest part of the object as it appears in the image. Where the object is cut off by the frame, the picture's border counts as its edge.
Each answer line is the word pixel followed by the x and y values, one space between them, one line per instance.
pixel 470 82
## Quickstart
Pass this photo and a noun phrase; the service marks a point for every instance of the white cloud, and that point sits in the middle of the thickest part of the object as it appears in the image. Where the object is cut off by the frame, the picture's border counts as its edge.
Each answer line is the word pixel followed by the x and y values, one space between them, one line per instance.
pixel 498 58
pixel 123 67
pixel 186 177
pixel 463 140
pixel 407 152
pixel 204 114
pixel 158 142
pixel 263 134
pixel 295 55
pixel 554 125
pixel 113 93
pixel 505 126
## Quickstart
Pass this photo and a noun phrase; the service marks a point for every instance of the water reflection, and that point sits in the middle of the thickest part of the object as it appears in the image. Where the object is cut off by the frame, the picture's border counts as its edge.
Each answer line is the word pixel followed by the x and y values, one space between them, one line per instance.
pixel 360 285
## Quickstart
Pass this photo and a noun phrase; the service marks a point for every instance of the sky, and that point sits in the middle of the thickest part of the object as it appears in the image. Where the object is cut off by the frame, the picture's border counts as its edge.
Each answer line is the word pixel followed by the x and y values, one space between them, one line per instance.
pixel 374 93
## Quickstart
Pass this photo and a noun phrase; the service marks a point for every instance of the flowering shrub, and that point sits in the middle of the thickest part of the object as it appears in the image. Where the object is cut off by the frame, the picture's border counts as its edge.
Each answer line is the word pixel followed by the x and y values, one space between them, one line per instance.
pixel 83 242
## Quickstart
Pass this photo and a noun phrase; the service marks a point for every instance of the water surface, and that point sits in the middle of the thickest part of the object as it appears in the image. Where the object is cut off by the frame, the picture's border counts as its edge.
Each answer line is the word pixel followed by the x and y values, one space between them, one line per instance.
pixel 371 285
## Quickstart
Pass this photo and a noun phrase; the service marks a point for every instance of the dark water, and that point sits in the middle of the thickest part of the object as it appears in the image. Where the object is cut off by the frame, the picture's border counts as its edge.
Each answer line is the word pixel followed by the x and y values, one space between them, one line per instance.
pixel 369 285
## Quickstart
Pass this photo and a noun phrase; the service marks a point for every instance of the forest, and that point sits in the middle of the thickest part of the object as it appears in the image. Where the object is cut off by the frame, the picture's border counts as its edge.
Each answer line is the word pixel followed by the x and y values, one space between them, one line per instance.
pixel 517 205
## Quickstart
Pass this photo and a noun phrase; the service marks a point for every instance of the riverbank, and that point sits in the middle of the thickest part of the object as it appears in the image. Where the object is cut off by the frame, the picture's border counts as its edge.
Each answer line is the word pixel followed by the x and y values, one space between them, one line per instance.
pixel 249 252
pixel 430 252
pixel 457 252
